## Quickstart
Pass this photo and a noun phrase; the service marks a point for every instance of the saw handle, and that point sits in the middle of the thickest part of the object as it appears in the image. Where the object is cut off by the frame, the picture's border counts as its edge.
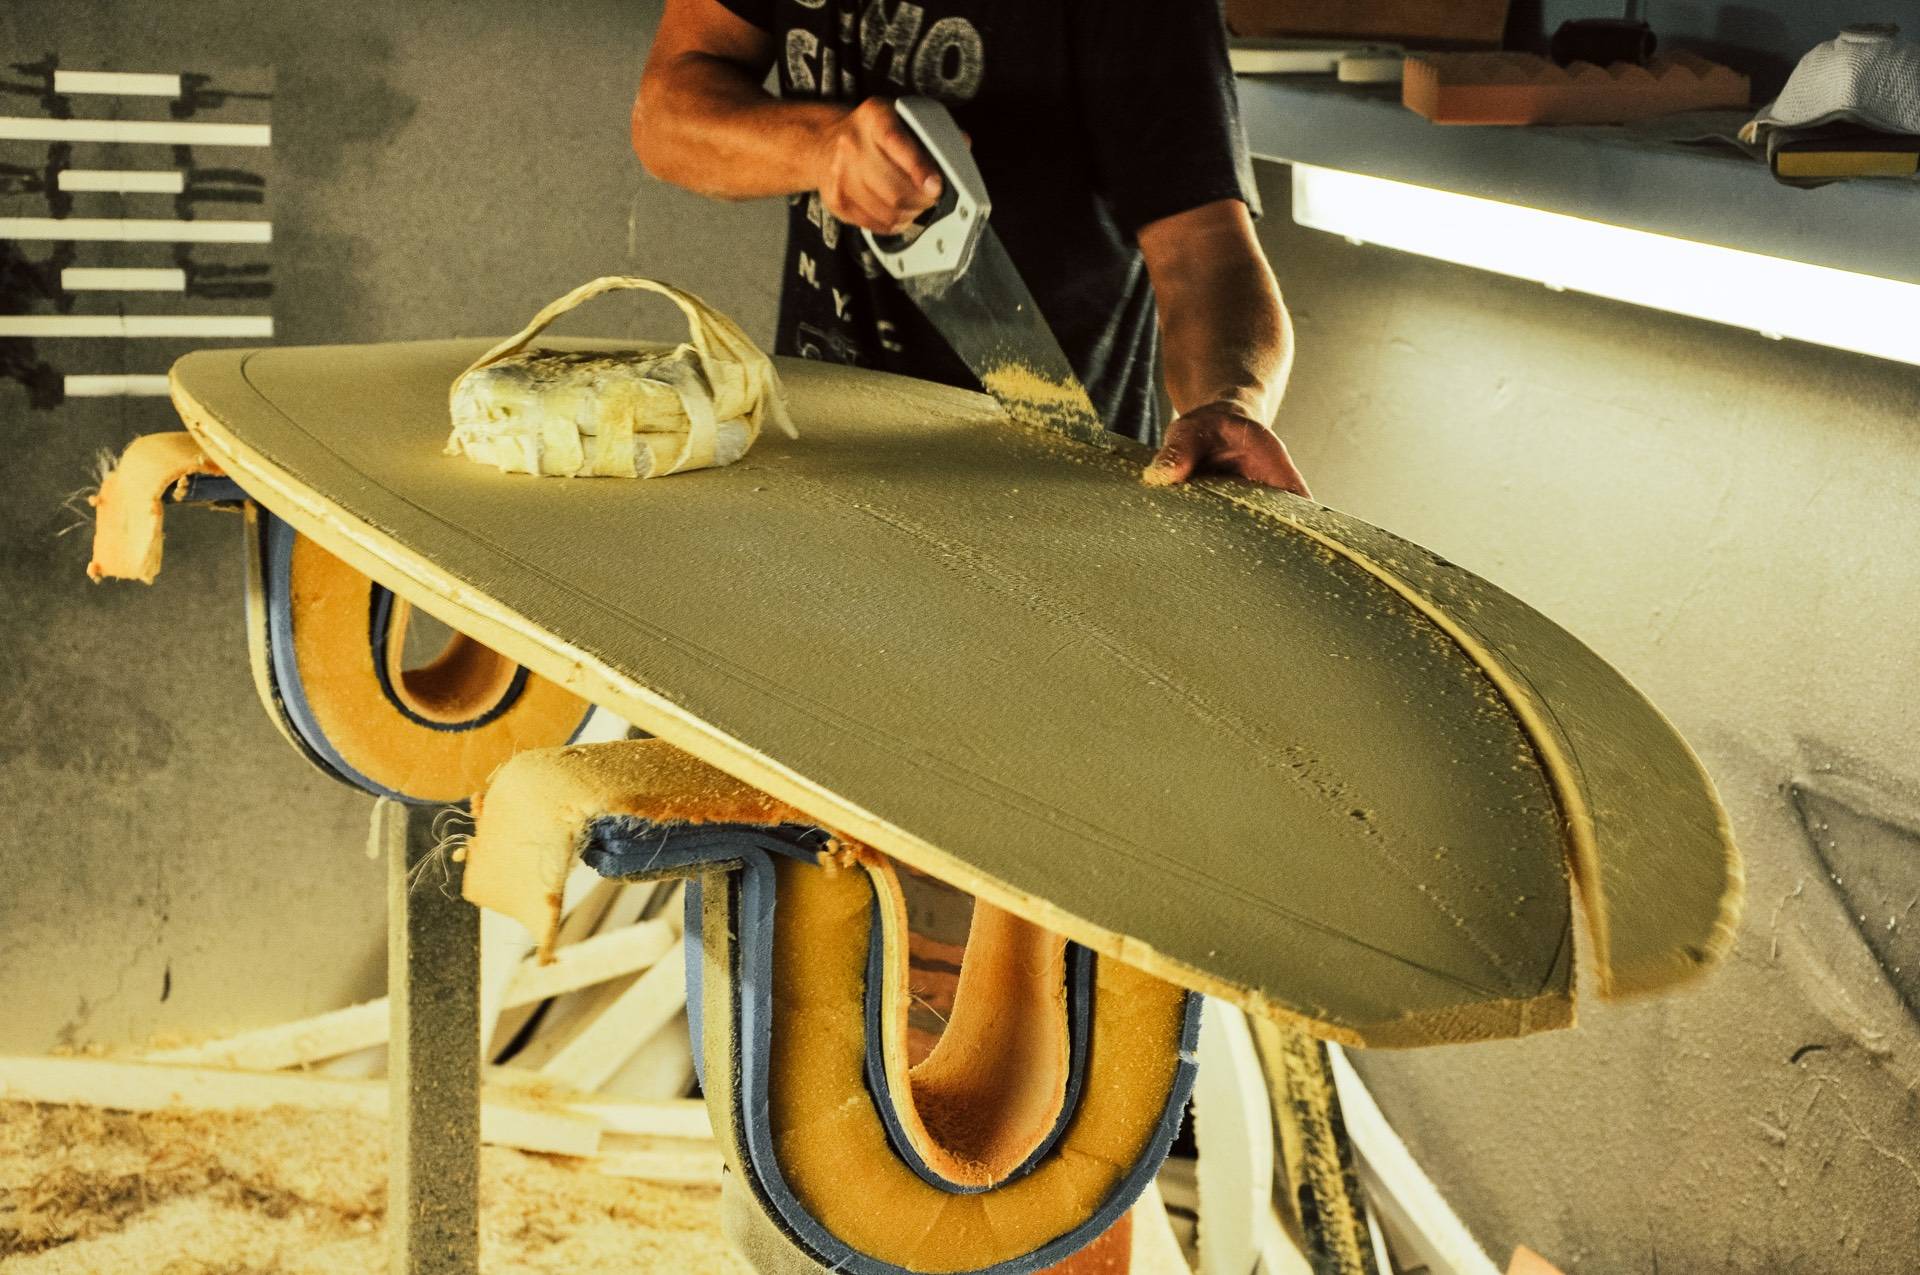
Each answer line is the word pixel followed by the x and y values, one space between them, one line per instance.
pixel 944 241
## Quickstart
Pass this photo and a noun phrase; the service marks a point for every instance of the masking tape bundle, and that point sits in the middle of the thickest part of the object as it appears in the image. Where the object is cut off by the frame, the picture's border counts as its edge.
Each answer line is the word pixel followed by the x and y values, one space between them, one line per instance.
pixel 581 414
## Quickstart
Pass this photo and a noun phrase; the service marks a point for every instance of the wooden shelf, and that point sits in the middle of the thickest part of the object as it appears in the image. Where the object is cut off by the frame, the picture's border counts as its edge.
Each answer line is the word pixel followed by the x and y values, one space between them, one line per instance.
pixel 1713 194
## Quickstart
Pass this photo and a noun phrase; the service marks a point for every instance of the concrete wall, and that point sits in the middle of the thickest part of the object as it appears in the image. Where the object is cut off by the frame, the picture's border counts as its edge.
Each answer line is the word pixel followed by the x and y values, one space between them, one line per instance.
pixel 1727 519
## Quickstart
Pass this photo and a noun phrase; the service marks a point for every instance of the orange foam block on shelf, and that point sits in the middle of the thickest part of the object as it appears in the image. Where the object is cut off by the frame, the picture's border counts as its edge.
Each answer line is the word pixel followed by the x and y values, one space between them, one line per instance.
pixel 1523 88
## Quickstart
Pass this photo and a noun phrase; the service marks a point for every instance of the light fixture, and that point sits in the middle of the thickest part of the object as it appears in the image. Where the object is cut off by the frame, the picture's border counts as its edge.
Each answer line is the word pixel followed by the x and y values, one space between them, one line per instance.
pixel 1772 296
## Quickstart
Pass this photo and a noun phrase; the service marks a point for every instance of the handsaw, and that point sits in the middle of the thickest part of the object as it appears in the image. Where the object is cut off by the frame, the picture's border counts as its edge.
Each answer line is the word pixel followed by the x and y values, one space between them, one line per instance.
pixel 956 270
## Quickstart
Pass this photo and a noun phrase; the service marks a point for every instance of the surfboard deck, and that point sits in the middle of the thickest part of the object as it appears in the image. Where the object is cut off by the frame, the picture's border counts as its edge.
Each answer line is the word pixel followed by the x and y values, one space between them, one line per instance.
pixel 1253 746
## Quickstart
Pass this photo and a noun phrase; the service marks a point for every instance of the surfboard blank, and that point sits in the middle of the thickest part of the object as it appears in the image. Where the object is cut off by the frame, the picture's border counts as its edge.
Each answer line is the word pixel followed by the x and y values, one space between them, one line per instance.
pixel 1250 745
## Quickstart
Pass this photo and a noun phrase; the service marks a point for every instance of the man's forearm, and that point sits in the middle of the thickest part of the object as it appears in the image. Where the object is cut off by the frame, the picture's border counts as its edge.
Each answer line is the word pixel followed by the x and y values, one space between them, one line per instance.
pixel 702 120
pixel 1227 343
pixel 1225 333
pixel 1233 346
pixel 705 123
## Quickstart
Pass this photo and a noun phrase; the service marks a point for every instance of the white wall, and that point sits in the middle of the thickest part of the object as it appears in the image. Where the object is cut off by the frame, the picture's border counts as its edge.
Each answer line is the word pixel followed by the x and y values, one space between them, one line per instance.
pixel 1731 521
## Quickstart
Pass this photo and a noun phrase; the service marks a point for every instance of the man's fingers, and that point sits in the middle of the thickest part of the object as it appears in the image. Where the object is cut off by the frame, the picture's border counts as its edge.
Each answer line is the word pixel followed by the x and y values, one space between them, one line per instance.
pixel 918 173
pixel 879 210
pixel 1258 456
pixel 878 178
pixel 893 191
pixel 878 205
pixel 1239 447
pixel 857 211
pixel 1177 459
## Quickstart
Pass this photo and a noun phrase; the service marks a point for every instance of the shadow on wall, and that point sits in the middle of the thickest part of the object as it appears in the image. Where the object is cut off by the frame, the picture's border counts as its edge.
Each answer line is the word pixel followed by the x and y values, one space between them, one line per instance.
pixel 1865 831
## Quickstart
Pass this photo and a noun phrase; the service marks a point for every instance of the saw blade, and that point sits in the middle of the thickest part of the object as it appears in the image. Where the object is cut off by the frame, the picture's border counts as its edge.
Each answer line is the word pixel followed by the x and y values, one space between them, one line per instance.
pixel 989 318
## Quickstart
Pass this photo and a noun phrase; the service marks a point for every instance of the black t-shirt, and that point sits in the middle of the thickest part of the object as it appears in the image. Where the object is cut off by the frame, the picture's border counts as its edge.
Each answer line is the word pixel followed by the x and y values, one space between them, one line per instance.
pixel 1089 119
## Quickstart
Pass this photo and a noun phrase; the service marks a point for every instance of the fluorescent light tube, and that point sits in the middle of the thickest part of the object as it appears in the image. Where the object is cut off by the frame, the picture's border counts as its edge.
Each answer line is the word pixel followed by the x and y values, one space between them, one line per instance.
pixel 100 279
pixel 116 82
pixel 1770 295
pixel 157 181
pixel 135 325
pixel 136 229
pixel 116 386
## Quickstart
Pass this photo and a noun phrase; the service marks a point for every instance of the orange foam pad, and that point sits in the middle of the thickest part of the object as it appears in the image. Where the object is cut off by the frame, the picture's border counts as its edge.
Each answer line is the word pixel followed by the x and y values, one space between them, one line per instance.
pixel 1524 88
pixel 832 1147
pixel 992 1087
pixel 128 508
pixel 987 1095
pixel 339 673
pixel 770 1252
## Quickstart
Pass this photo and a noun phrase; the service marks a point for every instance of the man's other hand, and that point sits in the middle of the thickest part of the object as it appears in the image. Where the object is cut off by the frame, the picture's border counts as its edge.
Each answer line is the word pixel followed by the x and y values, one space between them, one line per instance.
pixel 873 172
pixel 1216 439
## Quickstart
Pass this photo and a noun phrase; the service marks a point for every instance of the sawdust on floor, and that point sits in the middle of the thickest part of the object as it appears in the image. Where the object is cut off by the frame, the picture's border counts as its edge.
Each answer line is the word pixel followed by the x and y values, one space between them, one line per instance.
pixel 294 1192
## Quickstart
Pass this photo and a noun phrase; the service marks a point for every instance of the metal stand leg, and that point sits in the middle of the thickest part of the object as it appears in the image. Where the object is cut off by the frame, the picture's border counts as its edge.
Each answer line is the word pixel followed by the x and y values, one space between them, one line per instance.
pixel 433 985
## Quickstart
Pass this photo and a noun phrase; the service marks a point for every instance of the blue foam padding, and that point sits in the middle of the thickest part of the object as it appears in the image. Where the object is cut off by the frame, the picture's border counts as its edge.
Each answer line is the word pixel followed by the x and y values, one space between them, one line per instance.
pixel 211 489
pixel 626 847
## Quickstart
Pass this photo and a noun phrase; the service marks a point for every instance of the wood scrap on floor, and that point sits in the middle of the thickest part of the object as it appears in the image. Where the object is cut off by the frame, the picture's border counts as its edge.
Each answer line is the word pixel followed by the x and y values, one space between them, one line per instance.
pixel 640 1051
pixel 504 947
pixel 634 1017
pixel 594 1042
pixel 302 1192
pixel 585 912
pixel 505 1120
pixel 594 960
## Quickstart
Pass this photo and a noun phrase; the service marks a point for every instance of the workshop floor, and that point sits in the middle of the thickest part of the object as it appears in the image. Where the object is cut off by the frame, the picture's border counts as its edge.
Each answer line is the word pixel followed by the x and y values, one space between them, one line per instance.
pixel 290 1192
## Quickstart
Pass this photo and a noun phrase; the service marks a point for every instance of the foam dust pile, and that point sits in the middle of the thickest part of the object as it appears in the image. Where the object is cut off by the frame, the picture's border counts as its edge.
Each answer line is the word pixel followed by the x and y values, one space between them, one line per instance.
pixel 625 414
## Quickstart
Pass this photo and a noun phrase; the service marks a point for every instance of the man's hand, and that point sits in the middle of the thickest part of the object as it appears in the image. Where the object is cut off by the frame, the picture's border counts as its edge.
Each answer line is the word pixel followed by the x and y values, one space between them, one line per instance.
pixel 873 173
pixel 1227 344
pixel 1217 439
